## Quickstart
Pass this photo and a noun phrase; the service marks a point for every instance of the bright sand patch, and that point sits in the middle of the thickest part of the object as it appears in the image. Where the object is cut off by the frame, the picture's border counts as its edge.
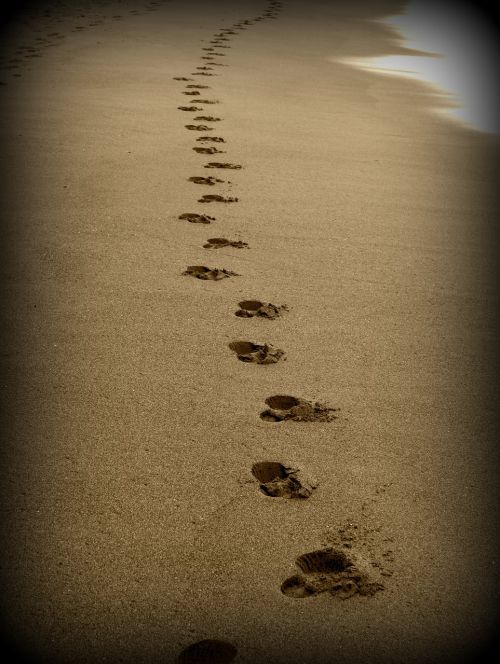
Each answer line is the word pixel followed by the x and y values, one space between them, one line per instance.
pixel 134 525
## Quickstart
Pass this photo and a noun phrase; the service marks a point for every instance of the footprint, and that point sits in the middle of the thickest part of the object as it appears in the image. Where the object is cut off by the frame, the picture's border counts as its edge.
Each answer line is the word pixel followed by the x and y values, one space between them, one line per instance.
pixel 207 48
pixel 204 68
pixel 195 218
pixel 209 198
pixel 198 127
pixel 200 87
pixel 208 101
pixel 218 164
pixel 221 242
pixel 333 571
pixel 207 273
pixel 251 308
pixel 207 118
pixel 202 73
pixel 247 351
pixel 182 78
pixel 208 150
pixel 208 651
pixel 213 139
pixel 284 407
pixel 191 92
pixel 200 180
pixel 279 481
pixel 190 108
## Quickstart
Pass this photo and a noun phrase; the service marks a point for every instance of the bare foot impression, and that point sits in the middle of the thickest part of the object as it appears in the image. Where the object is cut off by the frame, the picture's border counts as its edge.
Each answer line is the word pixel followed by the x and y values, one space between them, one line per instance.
pixel 221 242
pixel 279 481
pixel 197 218
pixel 330 570
pixel 208 651
pixel 284 407
pixel 207 101
pixel 219 164
pixel 207 118
pixel 191 93
pixel 251 308
pixel 182 78
pixel 204 68
pixel 190 108
pixel 198 127
pixel 200 87
pixel 208 150
pixel 247 351
pixel 200 180
pixel 207 273
pixel 212 139
pixel 210 198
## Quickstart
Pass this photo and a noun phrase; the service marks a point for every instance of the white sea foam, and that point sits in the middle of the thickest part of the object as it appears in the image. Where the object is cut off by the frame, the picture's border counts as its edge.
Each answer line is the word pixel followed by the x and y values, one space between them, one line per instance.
pixel 461 63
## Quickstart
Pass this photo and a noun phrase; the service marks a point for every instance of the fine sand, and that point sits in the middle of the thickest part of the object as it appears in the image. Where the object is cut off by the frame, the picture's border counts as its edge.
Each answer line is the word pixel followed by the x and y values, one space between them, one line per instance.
pixel 358 384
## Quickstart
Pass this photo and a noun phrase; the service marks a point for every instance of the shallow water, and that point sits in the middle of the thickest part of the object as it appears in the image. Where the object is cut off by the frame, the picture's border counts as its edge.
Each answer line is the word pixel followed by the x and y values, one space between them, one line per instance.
pixel 462 58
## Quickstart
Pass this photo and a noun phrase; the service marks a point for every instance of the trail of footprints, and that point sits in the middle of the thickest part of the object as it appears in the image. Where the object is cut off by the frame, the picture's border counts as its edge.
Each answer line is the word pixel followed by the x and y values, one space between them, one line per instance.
pixel 38 23
pixel 336 570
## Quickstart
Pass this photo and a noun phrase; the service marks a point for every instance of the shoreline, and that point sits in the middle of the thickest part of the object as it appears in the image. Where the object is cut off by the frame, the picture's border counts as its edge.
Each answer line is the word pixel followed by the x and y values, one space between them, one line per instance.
pixel 135 525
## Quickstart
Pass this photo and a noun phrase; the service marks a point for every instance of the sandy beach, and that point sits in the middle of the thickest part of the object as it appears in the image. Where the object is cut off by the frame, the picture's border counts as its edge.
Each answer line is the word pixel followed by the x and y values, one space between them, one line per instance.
pixel 156 492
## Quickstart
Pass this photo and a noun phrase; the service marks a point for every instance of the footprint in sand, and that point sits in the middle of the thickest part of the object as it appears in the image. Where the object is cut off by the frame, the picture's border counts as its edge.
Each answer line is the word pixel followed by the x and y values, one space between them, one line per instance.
pixel 200 87
pixel 251 308
pixel 208 651
pixel 204 68
pixel 208 151
pixel 202 73
pixel 333 571
pixel 190 108
pixel 198 127
pixel 207 118
pixel 279 481
pixel 221 242
pixel 210 198
pixel 182 78
pixel 195 218
pixel 213 139
pixel 284 407
pixel 200 180
pixel 219 164
pixel 207 48
pixel 191 92
pixel 247 351
pixel 208 273
pixel 207 101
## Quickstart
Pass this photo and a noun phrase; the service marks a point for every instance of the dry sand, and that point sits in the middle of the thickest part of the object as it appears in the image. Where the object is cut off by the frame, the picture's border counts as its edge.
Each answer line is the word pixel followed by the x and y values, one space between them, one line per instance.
pixel 133 526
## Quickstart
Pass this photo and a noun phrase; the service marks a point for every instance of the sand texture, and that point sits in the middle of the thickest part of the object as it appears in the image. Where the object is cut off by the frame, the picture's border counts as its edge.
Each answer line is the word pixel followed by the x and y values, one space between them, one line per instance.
pixel 248 344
